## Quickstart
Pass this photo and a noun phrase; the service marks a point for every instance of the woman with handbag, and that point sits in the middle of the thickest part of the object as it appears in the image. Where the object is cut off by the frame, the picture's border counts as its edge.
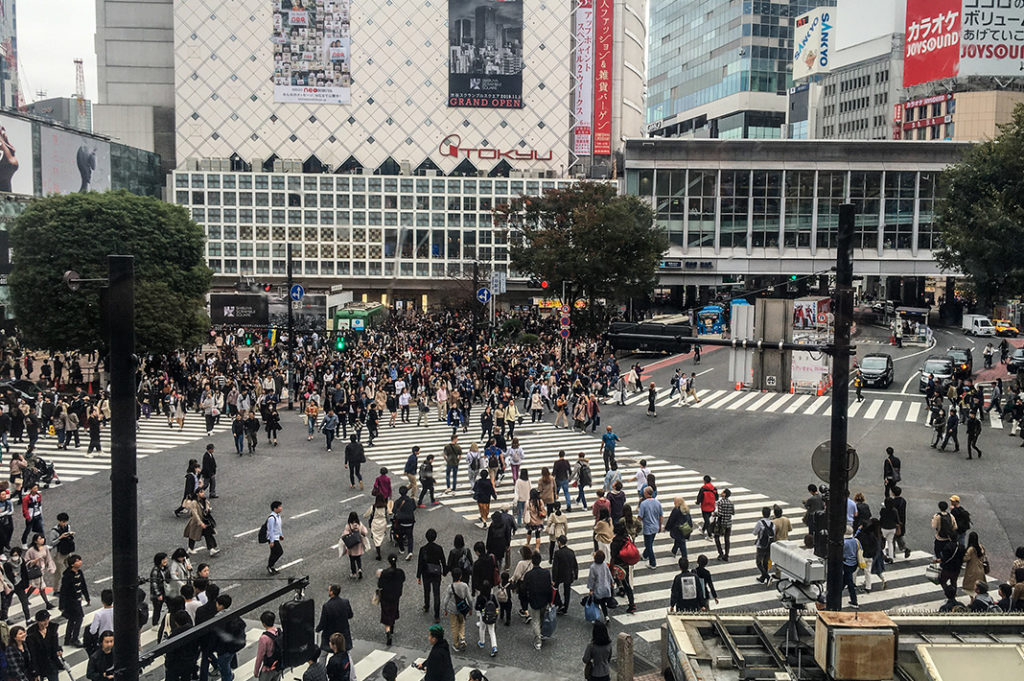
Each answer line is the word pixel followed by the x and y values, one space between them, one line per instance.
pixel 599 583
pixel 38 564
pixel 619 542
pixel 351 543
pixel 975 563
pixel 378 515
pixel 201 524
pixel 389 593
pixel 597 656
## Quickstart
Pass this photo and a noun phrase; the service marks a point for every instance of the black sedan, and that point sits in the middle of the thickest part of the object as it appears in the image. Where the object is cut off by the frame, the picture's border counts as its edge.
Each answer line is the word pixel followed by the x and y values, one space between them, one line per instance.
pixel 877 369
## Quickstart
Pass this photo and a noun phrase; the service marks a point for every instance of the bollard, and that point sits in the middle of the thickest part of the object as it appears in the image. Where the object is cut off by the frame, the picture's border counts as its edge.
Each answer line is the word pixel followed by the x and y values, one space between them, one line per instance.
pixel 624 657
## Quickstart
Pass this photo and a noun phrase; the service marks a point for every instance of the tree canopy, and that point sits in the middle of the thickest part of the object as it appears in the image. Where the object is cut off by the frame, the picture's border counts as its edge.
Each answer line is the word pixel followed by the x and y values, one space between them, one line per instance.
pixel 77 232
pixel 600 245
pixel 980 213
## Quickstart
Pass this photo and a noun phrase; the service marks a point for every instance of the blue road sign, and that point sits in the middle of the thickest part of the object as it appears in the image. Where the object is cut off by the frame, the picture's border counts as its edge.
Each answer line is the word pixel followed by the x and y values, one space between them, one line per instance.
pixel 565 332
pixel 484 295
pixel 297 292
pixel 357 325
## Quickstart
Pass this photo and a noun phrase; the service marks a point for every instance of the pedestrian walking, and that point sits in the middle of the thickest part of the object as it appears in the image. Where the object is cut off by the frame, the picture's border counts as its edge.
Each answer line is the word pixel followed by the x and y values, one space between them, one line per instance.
pixel 652 395
pixel 456 604
pixel 410 470
pixel 621 567
pixel 853 558
pixel 238 433
pixel 159 578
pixel 430 568
pixel 438 665
pixel 962 518
pixel 688 593
pixel 353 544
pixel 608 442
pixel 539 594
pixel 404 520
pixel 679 526
pixel 452 456
pixel 355 456
pixel 858 384
pixel 73 592
pixel 952 427
pixel 335 614
pixel 722 523
pixel 892 470
pixel 269 664
pixel 390 582
pixel 764 535
pixel 427 481
pixel 44 650
pixel 483 494
pixel 329 427
pixel 378 514
pixel 650 513
pixel 208 471
pixel 944 525
pixel 275 536
pixel 62 539
pixel 565 571
pixel 193 481
pixel 976 564
pixel 597 655
pixel 339 667
pixel 973 433
pixel 201 524
pixel 38 564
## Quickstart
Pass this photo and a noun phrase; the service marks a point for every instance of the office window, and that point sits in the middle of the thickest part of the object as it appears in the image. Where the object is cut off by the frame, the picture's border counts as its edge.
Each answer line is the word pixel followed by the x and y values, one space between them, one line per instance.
pixel 865 190
pixel 735 190
pixel 831 194
pixel 899 209
pixel 799 208
pixel 700 197
pixel 767 208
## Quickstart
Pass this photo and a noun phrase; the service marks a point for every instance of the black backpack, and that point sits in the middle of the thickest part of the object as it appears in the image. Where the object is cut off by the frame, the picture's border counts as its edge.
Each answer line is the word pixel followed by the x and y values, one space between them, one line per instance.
pixel 272 660
pixel 584 477
pixel 490 611
pixel 262 537
pixel 946 526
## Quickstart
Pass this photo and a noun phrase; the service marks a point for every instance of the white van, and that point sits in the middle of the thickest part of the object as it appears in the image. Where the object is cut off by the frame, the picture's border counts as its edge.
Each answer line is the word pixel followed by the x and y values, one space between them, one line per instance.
pixel 977 325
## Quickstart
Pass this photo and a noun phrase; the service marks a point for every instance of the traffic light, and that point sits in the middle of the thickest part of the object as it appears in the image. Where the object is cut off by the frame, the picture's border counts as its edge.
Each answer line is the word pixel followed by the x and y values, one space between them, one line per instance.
pixel 339 342
pixel 792 277
pixel 538 283
pixel 267 287
pixel 248 339
pixel 298 638
pixel 544 284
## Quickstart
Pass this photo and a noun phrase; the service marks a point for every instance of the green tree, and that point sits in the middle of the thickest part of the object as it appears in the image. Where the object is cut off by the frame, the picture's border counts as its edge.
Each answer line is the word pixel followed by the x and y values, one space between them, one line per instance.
pixel 77 232
pixel 980 213
pixel 601 246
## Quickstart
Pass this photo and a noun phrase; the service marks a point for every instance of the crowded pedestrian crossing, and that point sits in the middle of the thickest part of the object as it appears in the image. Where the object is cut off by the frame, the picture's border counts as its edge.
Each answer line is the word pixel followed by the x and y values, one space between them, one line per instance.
pixel 904 409
pixel 735 580
pixel 153 436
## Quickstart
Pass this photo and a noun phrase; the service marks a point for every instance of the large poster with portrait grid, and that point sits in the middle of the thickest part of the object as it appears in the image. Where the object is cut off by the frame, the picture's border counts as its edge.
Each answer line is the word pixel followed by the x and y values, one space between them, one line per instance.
pixel 312 58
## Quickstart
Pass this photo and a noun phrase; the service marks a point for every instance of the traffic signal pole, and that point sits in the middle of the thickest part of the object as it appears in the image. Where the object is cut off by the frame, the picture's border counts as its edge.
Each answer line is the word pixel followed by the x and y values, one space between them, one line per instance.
pixel 291 334
pixel 124 515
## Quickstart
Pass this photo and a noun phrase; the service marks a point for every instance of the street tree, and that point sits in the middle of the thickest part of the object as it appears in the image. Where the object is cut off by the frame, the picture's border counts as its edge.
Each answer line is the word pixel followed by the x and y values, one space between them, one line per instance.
pixel 604 248
pixel 980 213
pixel 77 232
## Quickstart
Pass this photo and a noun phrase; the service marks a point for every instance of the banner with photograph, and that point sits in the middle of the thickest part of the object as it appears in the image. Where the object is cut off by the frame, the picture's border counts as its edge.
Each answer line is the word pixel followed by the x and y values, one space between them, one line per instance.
pixel 485 54
pixel 584 73
pixel 73 163
pixel 308 315
pixel 312 51
pixel 16 169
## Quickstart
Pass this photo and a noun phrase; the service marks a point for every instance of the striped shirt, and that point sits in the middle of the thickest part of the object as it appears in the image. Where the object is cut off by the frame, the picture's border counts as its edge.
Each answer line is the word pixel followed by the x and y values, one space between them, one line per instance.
pixel 724 511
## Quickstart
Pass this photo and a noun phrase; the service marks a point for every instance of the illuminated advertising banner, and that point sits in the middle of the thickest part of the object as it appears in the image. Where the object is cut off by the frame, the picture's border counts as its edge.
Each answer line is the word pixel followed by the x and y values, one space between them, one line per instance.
pixel 604 18
pixel 584 72
pixel 485 54
pixel 238 309
pixel 312 51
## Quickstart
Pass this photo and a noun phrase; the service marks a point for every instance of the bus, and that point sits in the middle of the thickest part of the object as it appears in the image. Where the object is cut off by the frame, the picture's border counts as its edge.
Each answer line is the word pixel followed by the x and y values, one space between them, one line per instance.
pixel 360 316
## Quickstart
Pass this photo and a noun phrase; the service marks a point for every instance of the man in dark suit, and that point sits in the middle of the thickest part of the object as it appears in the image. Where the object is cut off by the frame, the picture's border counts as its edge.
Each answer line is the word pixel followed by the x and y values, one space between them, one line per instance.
pixel 207 643
pixel 334 616
pixel 43 647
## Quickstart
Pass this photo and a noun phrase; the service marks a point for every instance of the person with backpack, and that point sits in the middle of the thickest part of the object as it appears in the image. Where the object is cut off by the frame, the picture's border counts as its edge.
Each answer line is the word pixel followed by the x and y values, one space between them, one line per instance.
pixel 499 536
pixel 487 609
pixel 269 650
pixel 962 517
pixel 429 570
pixel 764 535
pixel 455 603
pixel 271 534
pixel 460 557
pixel 981 601
pixel 679 526
pixel 689 593
pixel 945 528
pixel 403 520
pixel 891 470
pixel 427 481
pixel 564 571
pixel 474 463
pixel 581 475
pixel 624 555
pixel 707 496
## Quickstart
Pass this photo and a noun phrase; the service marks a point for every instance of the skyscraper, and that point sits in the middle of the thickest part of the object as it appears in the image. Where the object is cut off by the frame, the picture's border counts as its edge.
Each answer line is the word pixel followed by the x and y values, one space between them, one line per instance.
pixel 721 69
pixel 9 94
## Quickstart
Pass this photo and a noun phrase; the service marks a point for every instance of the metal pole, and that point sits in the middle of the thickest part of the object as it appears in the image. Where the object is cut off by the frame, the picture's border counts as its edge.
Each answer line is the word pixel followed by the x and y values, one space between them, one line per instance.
pixel 124 511
pixel 291 334
pixel 839 479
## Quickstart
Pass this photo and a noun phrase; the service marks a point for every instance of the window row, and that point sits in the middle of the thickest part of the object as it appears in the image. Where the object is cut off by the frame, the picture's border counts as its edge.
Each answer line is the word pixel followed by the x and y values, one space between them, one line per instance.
pixel 344 268
pixel 247 216
pixel 331 183
pixel 372 201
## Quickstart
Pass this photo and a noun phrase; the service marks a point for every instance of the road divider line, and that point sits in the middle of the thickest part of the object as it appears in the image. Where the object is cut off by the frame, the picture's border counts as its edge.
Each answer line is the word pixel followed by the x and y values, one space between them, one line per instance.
pixel 288 565
pixel 242 534
pixel 344 501
pixel 303 515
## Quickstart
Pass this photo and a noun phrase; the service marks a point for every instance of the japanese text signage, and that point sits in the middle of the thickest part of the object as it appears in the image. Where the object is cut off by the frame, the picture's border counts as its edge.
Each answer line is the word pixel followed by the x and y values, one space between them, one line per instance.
pixel 604 17
pixel 950 38
pixel 813 37
pixel 584 72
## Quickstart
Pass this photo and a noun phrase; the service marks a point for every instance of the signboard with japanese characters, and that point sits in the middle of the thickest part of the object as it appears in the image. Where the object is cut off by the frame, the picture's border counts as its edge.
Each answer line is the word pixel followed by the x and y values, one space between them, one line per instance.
pixel 932 46
pixel 584 73
pixel 604 17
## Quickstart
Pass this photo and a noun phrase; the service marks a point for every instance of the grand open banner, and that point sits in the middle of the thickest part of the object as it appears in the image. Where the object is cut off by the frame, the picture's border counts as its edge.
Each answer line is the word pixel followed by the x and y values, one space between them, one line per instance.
pixel 312 51
pixel 485 54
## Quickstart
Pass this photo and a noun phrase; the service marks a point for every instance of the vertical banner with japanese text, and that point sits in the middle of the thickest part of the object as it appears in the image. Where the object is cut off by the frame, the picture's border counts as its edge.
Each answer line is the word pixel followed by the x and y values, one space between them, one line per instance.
pixel 932 48
pixel 604 17
pixel 584 72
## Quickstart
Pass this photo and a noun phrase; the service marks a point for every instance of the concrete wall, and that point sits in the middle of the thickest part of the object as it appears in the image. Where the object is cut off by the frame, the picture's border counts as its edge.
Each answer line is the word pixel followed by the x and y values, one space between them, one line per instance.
pixel 979 113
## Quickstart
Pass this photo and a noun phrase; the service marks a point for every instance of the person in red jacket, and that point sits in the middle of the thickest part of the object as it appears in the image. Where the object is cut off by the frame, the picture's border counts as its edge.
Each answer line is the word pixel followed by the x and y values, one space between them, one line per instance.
pixel 32 510
pixel 707 495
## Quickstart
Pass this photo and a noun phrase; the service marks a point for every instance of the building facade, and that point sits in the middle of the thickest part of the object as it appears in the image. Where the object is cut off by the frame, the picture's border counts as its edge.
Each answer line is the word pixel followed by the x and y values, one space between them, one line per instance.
pixel 10 95
pixel 135 69
pixel 771 208
pixel 67 111
pixel 721 69
pixel 362 136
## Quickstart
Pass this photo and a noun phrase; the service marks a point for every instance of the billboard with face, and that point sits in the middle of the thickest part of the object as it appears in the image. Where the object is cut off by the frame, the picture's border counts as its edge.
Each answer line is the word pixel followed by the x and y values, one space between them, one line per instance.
pixel 73 163
pixel 16 169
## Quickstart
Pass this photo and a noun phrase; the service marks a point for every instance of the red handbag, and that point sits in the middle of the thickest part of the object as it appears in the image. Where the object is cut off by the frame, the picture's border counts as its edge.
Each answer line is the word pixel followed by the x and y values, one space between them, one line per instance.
pixel 629 554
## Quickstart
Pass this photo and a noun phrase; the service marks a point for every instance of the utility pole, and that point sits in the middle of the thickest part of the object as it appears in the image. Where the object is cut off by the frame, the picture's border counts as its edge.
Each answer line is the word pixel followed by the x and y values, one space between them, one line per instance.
pixel 839 478
pixel 124 511
pixel 291 334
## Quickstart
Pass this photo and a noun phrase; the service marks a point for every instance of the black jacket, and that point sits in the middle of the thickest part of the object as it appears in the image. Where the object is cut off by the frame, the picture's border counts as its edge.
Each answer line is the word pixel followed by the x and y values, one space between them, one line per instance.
pixel 183 658
pixel 499 536
pixel 71 584
pixel 538 587
pixel 339 667
pixel 404 510
pixel 564 567
pixel 432 553
pixel 483 571
pixel 354 453
pixel 209 465
pixel 438 665
pixel 100 663
pixel 334 616
pixel 44 650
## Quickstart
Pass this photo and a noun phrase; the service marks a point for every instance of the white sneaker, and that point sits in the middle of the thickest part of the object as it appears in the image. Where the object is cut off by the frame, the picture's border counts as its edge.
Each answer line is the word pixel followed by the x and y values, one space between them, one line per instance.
pixel 214 552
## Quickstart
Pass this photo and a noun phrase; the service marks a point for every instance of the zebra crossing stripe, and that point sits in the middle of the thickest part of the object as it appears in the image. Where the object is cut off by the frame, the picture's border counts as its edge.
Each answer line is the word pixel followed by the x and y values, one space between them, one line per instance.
pixel 786 397
pixel 995 420
pixel 796 403
pixel 709 397
pixel 766 398
pixel 853 408
pixel 912 412
pixel 817 403
pixel 893 412
pixel 725 399
pixel 743 400
pixel 873 408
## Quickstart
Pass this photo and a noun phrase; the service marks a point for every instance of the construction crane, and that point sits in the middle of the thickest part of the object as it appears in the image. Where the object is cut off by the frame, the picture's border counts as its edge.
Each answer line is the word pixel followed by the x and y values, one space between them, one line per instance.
pixel 80 88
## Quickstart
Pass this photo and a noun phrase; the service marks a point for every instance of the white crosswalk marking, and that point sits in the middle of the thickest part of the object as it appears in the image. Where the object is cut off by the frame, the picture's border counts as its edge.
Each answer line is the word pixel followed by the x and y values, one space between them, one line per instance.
pixel 742 400
pixel 779 402
pixel 765 399
pixel 795 404
pixel 816 404
pixel 725 399
pixel 893 412
pixel 734 581
pixel 709 397
pixel 913 411
pixel 995 420
pixel 873 408
pixel 854 408
pixel 153 437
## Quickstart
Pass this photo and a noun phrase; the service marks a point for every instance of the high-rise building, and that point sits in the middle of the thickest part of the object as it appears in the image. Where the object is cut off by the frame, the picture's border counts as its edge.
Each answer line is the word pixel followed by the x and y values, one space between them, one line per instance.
pixel 67 111
pixel 135 69
pixel 721 69
pixel 9 88
pixel 377 144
